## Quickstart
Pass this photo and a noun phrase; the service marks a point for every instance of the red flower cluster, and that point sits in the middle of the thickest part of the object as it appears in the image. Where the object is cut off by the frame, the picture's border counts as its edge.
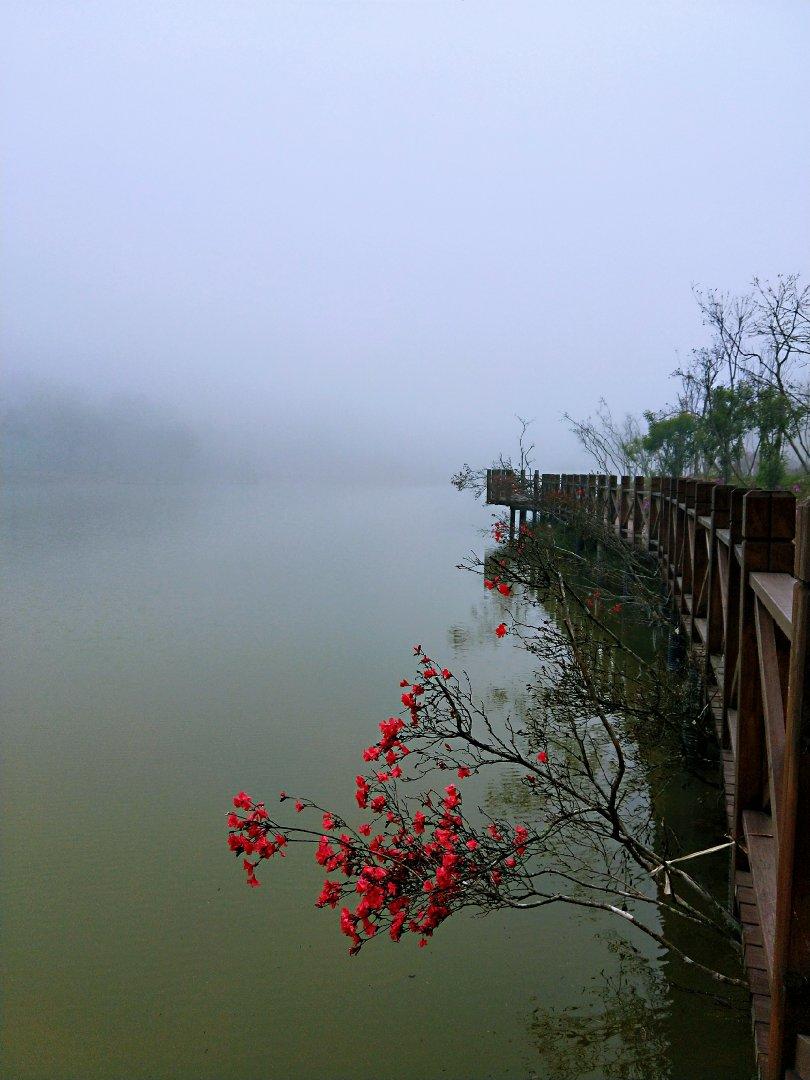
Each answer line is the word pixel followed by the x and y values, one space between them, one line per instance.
pixel 413 874
pixel 405 872
pixel 249 835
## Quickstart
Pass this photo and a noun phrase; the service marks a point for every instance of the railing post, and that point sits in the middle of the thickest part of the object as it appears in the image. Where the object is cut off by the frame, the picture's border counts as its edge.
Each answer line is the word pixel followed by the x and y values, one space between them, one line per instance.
pixel 637 514
pixel 767 532
pixel 678 539
pixel 700 551
pixel 665 528
pixel 545 487
pixel 790 988
pixel 654 511
pixel 600 499
pixel 621 496
pixel 715 582
pixel 610 500
pixel 733 570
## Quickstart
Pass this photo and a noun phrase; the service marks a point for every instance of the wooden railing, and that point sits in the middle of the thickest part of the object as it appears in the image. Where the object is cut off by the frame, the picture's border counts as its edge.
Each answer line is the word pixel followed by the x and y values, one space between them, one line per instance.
pixel 736 564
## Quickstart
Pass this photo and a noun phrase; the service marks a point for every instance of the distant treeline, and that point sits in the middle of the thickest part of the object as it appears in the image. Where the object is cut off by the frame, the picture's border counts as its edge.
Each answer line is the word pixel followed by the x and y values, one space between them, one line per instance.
pixel 50 434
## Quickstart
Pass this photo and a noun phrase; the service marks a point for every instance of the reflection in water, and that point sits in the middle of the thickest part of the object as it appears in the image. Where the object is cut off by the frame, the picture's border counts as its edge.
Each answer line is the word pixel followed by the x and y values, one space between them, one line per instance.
pixel 616 1032
pixel 166 646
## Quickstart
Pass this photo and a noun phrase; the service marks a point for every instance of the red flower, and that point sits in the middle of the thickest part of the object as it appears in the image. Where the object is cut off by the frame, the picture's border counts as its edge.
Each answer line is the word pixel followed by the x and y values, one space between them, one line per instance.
pixel 447 673
pixel 542 757
pixel 489 584
pixel 504 590
pixel 299 806
pixel 616 609
pixel 463 772
pixel 364 829
pixel 330 894
pixel 501 630
pixel 328 822
pixel 242 800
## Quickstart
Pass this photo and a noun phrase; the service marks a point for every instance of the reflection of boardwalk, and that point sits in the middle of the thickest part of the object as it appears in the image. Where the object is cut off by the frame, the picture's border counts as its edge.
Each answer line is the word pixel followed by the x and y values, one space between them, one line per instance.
pixel 736 564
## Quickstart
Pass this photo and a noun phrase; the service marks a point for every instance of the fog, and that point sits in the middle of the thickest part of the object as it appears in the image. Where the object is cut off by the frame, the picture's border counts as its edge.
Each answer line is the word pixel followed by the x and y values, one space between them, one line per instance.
pixel 261 238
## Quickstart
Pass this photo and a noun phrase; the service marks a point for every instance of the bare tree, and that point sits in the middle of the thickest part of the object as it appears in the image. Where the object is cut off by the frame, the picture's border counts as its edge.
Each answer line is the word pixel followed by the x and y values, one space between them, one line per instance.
pixel 614 446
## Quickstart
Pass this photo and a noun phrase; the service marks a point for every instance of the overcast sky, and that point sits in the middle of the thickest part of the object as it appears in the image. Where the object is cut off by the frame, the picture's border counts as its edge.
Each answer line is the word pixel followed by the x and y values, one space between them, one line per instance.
pixel 375 231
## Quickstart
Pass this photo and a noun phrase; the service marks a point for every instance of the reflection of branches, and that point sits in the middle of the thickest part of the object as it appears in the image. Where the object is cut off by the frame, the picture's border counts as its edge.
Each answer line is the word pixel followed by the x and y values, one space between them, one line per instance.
pixel 598 709
pixel 617 1030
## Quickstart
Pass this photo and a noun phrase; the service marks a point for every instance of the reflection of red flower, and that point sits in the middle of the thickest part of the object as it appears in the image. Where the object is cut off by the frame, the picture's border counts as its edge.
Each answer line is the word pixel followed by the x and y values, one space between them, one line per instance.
pixel 501 630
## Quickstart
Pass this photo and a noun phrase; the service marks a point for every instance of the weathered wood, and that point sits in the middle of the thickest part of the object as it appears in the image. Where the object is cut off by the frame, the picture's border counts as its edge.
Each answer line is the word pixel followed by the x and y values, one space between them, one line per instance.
pixel 776 593
pixel 772 706
pixel 790 986
pixel 715 579
pixel 761 847
pixel 741 589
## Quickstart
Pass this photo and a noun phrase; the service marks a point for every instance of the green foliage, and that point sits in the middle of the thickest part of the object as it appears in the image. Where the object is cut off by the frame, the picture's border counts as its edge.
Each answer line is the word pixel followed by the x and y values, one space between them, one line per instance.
pixel 742 409
pixel 730 415
pixel 670 441
pixel 774 418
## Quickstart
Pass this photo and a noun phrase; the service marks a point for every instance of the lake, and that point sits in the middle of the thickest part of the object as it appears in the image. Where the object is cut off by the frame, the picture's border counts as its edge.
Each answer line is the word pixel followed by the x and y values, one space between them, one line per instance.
pixel 167 645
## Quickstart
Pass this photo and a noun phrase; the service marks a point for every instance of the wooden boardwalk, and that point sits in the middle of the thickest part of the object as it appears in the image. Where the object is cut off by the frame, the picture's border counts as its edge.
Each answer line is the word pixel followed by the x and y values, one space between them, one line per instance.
pixel 736 563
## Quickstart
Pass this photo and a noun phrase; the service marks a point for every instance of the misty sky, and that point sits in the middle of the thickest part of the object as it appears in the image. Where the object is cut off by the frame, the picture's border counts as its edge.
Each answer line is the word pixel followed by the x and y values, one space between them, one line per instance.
pixel 375 231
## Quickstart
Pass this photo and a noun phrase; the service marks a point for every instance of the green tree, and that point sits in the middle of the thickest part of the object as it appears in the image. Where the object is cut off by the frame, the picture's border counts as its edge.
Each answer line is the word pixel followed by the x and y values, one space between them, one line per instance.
pixel 670 442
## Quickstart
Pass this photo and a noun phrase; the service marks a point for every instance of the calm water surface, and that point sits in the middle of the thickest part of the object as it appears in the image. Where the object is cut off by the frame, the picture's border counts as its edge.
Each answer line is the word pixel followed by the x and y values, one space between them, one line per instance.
pixel 166 646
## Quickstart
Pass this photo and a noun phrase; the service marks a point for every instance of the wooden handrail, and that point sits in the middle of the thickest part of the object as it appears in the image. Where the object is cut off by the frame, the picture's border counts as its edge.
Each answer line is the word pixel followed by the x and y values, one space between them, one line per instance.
pixel 741 589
